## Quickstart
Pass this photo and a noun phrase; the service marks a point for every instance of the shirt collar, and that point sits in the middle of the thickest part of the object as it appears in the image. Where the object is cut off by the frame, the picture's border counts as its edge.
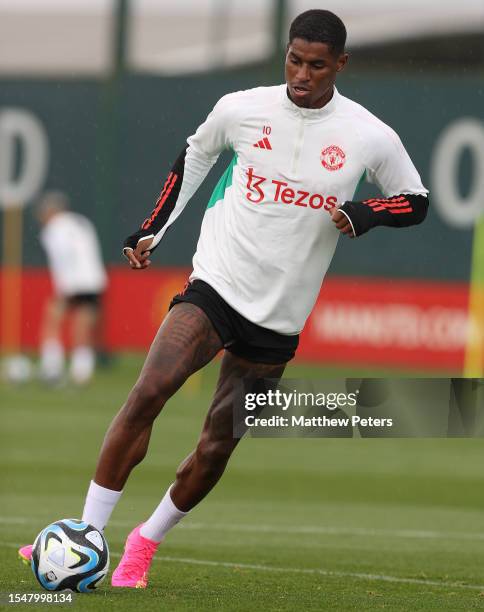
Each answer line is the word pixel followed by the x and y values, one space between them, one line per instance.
pixel 314 114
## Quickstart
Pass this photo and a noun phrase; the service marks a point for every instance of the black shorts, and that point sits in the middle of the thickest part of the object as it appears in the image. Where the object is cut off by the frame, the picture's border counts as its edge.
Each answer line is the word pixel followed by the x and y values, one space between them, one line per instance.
pixel 81 299
pixel 239 336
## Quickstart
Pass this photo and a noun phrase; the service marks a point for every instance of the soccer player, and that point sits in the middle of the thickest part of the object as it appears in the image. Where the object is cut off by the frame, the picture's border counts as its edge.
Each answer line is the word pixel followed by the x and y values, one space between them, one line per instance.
pixel 267 239
pixel 79 279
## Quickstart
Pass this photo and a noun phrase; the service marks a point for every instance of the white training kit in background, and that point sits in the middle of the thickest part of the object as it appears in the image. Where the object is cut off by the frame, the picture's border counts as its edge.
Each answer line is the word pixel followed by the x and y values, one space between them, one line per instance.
pixel 76 266
pixel 73 253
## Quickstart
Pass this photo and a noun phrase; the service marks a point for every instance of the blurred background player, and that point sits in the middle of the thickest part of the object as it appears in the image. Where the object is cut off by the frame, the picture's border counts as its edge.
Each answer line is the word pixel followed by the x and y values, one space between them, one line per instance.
pixel 79 279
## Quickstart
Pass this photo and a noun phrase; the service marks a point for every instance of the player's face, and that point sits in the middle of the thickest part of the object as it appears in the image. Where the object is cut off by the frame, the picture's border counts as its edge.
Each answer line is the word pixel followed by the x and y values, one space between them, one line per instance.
pixel 311 69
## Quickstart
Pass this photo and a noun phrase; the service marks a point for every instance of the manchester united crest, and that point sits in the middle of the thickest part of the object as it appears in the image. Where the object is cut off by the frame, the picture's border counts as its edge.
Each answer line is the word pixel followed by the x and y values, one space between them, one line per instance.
pixel 333 158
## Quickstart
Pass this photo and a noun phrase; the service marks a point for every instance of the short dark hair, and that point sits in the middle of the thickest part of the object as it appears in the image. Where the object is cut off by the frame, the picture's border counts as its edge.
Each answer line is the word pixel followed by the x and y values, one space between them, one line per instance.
pixel 317 25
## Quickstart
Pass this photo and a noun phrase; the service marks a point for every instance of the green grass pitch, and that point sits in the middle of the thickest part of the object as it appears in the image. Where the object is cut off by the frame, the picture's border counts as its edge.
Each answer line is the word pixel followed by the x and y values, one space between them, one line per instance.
pixel 295 524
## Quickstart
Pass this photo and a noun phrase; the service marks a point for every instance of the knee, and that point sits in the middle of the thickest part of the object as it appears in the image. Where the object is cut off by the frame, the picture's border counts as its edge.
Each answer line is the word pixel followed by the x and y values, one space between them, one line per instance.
pixel 146 401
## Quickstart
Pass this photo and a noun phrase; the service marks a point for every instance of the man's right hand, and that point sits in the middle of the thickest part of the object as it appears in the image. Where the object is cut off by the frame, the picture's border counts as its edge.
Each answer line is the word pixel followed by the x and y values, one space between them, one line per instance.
pixel 138 257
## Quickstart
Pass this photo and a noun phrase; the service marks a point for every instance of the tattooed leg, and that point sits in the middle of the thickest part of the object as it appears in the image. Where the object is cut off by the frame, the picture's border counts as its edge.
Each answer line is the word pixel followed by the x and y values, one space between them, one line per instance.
pixel 202 469
pixel 185 342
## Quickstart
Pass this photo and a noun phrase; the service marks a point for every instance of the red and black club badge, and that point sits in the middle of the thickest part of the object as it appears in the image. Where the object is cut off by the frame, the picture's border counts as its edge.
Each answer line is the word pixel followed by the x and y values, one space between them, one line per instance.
pixel 333 158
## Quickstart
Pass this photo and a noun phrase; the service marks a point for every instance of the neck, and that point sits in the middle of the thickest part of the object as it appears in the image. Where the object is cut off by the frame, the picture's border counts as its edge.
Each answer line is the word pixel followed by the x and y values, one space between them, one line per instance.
pixel 324 99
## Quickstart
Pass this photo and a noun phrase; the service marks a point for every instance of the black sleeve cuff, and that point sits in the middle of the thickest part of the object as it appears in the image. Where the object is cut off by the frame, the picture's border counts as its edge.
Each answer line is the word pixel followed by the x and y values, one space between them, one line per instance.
pixel 398 211
pixel 131 242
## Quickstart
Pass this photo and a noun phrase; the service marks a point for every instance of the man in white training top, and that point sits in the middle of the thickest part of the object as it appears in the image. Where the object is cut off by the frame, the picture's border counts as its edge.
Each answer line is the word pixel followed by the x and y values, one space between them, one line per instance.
pixel 267 239
pixel 79 279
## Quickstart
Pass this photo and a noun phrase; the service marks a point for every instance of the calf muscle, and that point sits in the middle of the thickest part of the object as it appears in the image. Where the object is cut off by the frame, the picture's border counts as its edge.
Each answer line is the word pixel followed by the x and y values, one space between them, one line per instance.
pixel 185 342
pixel 202 469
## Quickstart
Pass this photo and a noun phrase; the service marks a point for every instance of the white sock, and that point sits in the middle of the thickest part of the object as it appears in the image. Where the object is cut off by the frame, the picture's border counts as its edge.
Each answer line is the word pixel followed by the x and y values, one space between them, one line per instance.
pixel 99 505
pixel 83 361
pixel 51 359
pixel 162 520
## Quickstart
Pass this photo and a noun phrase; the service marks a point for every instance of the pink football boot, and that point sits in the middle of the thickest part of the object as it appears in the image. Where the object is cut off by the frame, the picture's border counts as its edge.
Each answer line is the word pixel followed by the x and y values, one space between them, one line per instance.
pixel 135 563
pixel 25 553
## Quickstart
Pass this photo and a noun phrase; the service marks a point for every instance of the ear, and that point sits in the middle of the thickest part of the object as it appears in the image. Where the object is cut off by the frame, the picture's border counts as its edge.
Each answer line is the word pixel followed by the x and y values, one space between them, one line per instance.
pixel 342 61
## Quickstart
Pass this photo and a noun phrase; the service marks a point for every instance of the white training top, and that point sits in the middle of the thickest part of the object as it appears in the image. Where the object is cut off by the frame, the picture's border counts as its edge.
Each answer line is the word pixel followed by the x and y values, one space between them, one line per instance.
pixel 74 255
pixel 267 237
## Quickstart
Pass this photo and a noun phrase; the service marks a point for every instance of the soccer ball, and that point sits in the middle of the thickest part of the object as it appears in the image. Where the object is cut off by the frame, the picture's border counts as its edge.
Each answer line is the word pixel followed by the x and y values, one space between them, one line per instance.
pixel 70 554
pixel 17 369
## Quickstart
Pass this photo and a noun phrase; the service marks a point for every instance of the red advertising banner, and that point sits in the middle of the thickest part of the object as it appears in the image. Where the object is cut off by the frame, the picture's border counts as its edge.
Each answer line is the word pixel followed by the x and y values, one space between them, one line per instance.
pixel 416 324
pixel 357 321
pixel 137 302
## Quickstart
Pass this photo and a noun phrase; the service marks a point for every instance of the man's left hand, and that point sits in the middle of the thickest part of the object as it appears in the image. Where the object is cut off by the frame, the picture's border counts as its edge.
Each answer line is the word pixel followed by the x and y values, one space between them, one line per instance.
pixel 341 222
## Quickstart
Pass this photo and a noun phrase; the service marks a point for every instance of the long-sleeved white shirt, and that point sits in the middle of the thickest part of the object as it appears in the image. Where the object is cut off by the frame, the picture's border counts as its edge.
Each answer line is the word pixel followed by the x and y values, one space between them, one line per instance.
pixel 267 237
